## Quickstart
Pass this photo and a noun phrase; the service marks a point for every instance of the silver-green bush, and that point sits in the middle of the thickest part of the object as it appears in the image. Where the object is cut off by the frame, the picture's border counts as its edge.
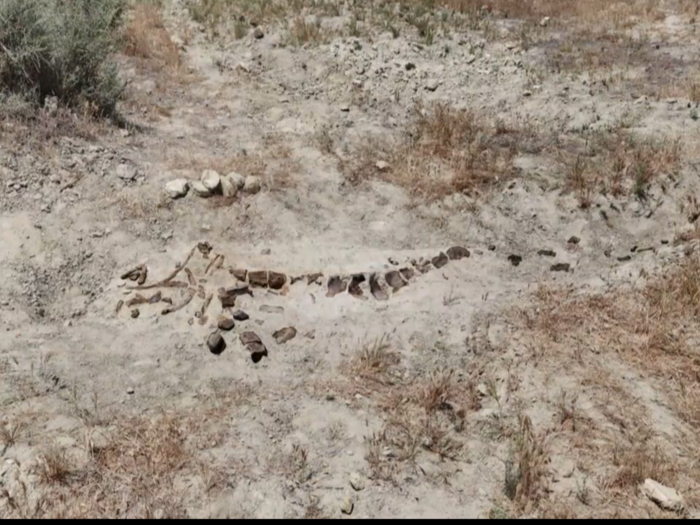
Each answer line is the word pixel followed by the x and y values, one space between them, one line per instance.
pixel 63 49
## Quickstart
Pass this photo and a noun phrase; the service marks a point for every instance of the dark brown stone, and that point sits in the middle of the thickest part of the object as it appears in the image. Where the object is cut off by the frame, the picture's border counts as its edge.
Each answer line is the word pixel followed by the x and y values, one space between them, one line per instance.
pixel 336 285
pixel 276 280
pixel 424 266
pixel 227 298
pixel 240 315
pixel 376 289
pixel 407 273
pixel 135 313
pixel 458 252
pixel 394 280
pixel 249 337
pixel 241 275
pixel 285 334
pixel 440 261
pixel 561 267
pixel 547 253
pixel 226 324
pixel 216 343
pixel 354 288
pixel 314 278
pixel 259 278
pixel 515 260
pixel 257 351
pixel 574 240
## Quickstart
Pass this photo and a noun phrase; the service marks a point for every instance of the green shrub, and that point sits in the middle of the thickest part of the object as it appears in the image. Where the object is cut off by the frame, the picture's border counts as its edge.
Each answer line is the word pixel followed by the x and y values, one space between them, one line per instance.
pixel 62 49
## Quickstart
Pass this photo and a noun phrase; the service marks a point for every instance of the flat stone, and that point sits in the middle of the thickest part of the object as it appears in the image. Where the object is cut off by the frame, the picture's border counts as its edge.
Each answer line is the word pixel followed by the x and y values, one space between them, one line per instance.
pixel 458 252
pixel 200 190
pixel 357 482
pixel 252 185
pixel 285 334
pixel 666 498
pixel 211 180
pixel 177 188
pixel 440 260
pixel 560 267
pixel 354 288
pixel 574 240
pixel 547 253
pixel 268 309
pixel 248 337
pixel 226 324
pixel 241 275
pixel 240 315
pixel 126 173
pixel 258 278
pixel 336 285
pixel 376 288
pixel 276 280
pixel 394 280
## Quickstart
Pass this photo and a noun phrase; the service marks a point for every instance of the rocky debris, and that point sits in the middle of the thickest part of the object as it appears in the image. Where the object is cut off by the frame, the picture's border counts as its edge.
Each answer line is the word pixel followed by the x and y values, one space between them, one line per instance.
pixel 407 273
pixel 228 189
pixel 276 280
pixel 574 240
pixel 354 288
pixel 130 391
pixel 227 297
pixel 135 313
pixel 432 84
pixel 440 260
pixel 625 258
pixel 357 482
pixel 252 185
pixel 560 267
pixel 394 280
pixel 211 180
pixel 547 253
pixel 515 260
pixel 423 266
pixel 237 180
pixel 458 252
pixel 177 188
pixel 254 345
pixel 138 274
pixel 226 324
pixel 126 173
pixel 258 278
pixel 216 343
pixel 240 275
pixel 200 189
pixel 347 506
pixel 268 309
pixel 285 334
pixel 492 247
pixel 382 165
pixel 376 288
pixel 240 315
pixel 666 498
pixel 545 21
pixel 336 285
pixel 258 33
pixel 314 278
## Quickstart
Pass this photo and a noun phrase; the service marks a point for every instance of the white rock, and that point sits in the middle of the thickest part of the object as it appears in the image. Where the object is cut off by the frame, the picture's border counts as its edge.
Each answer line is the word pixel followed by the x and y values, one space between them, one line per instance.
pixel 177 188
pixel 665 497
pixel 228 188
pixel 200 189
pixel 126 172
pixel 347 506
pixel 382 165
pixel 432 84
pixel 545 21
pixel 237 179
pixel 211 180
pixel 252 184
pixel 357 482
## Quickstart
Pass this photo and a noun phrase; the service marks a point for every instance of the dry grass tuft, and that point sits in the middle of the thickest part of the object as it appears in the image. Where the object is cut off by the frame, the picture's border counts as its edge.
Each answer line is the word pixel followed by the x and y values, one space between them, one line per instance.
pixel 146 38
pixel 375 361
pixel 526 471
pixel 10 433
pixel 54 465
pixel 640 462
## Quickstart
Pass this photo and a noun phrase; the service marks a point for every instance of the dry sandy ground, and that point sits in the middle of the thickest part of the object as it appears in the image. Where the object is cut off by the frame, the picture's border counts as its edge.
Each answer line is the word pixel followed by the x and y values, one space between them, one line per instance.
pixel 488 387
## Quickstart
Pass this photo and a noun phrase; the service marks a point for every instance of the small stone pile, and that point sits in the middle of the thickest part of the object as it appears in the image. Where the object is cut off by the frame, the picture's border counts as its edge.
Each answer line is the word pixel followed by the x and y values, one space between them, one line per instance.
pixel 211 183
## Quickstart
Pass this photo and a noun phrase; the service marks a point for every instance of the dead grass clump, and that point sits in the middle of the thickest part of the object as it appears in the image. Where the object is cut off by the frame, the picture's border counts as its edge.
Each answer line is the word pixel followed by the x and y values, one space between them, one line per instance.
pixel 526 470
pixel 54 465
pixel 303 31
pixel 640 462
pixel 9 433
pixel 375 361
pixel 146 38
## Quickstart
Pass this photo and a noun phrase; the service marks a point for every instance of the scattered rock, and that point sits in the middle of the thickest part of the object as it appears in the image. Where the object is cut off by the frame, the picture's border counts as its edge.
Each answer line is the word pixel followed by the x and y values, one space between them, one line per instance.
pixel 457 252
pixel 254 345
pixel 226 324
pixel 285 334
pixel 492 248
pixel 236 179
pixel 211 180
pixel 216 343
pixel 432 84
pixel 625 258
pixel 241 275
pixel 135 313
pixel 177 188
pixel 252 185
pixel 227 296
pixel 266 308
pixel 354 288
pixel 394 280
pixel 407 273
pixel 423 266
pixel 560 267
pixel 348 506
pixel 276 280
pixel 545 21
pixel 357 482
pixel 410 66
pixel 240 315
pixel 130 391
pixel 440 261
pixel 376 289
pixel 382 165
pixel 258 33
pixel 336 285
pixel 515 260
pixel 126 173
pixel 258 278
pixel 314 278
pixel 200 189
pixel 228 189
pixel 666 498
pixel 344 108
pixel 574 240
pixel 250 337
pixel 547 253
